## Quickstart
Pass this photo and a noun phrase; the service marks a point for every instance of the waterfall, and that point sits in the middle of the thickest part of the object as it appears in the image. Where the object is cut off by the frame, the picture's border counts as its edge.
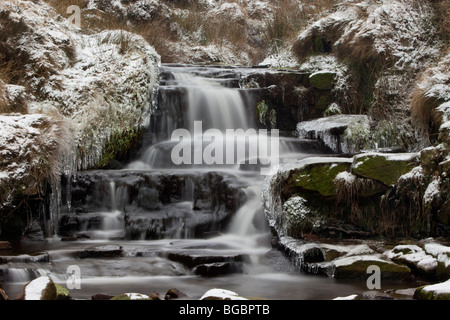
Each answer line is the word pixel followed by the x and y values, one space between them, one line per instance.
pixel 216 106
pixel 250 215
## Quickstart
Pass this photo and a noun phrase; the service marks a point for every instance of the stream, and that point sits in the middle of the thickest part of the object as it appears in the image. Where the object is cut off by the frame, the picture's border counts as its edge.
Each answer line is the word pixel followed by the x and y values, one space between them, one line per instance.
pixel 155 225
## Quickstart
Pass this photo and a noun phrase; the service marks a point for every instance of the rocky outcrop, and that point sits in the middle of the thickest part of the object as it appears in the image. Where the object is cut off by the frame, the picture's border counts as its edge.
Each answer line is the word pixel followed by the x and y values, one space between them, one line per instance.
pixel 371 194
pixel 340 133
pixel 85 99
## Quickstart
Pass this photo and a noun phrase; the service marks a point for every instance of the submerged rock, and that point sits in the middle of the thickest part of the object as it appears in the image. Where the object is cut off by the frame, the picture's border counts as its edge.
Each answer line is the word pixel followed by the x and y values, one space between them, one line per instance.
pixel 218 269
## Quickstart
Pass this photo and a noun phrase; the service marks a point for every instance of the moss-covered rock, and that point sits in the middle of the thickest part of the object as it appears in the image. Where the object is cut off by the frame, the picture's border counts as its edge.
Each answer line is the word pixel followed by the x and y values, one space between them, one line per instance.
pixel 318 177
pixel 356 268
pixel 62 293
pixel 440 291
pixel 387 168
pixel 322 80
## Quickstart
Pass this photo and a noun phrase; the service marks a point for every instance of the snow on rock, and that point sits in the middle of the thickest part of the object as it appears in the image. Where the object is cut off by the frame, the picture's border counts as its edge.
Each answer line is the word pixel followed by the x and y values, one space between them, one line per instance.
pixel 413 256
pixel 137 296
pixel 341 133
pixel 350 297
pixel 439 291
pixel 101 84
pixel 31 147
pixel 387 28
pixel 432 191
pixel 41 288
pixel 221 294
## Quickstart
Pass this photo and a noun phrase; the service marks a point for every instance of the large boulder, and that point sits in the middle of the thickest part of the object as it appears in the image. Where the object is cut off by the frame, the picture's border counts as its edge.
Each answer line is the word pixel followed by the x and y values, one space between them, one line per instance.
pixel 318 176
pixel 386 168
pixel 355 267
pixel 87 100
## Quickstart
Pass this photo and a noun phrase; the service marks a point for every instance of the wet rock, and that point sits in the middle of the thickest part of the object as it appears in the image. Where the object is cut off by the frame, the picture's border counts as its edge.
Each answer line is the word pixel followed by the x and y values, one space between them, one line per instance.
pixel 218 269
pixel 174 294
pixel 155 296
pixel 25 258
pixel 440 291
pixel 42 288
pixel 101 296
pixel 109 251
pixel 192 260
pixel 376 295
pixel 5 245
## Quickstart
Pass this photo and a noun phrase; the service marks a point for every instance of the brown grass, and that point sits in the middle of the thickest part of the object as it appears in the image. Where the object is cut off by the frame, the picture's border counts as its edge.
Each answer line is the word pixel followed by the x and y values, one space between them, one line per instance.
pixel 290 19
pixel 442 11
pixel 424 114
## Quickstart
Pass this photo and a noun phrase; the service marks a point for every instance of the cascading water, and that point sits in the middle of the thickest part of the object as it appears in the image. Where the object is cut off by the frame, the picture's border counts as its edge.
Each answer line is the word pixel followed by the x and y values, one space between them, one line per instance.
pixel 142 228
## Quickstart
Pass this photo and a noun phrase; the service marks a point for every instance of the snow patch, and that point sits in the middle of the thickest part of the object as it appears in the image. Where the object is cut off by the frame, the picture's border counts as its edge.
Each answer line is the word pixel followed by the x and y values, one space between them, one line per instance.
pixel 222 294
pixel 33 290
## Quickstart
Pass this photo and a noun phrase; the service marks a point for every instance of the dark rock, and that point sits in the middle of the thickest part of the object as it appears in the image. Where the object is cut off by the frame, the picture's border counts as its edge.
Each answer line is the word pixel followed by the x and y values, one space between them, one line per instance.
pixel 218 269
pixel 5 245
pixel 101 252
pixel 191 260
pixel 3 295
pixel 155 296
pixel 174 294
pixel 102 296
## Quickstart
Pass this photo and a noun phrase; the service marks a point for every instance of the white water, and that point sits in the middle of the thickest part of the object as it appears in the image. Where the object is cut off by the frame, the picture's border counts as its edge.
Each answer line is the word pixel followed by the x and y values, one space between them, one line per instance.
pixel 216 106
pixel 247 234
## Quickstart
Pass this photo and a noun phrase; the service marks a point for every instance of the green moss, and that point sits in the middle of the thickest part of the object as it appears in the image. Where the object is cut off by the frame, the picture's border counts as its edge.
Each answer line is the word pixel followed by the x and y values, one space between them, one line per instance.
pixel 381 168
pixel 319 177
pixel 322 80
pixel 323 102
pixel 118 146
pixel 266 115
pixel 261 112
pixel 421 294
pixel 61 292
pixel 358 270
